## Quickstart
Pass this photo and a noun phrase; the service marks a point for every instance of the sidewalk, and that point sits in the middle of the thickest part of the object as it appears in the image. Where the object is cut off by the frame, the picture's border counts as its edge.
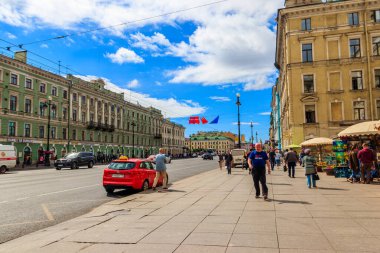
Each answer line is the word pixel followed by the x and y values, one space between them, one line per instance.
pixel 216 212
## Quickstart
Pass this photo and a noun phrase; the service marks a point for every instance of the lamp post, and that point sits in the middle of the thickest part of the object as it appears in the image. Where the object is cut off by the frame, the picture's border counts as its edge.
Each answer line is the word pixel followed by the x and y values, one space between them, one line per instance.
pixel 257 140
pixel 252 133
pixel 190 146
pixel 238 107
pixel 133 124
pixel 48 105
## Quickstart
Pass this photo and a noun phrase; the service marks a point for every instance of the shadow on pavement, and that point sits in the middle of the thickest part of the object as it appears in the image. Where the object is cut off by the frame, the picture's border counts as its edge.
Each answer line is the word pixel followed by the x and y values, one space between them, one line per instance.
pixel 279 184
pixel 334 189
pixel 289 201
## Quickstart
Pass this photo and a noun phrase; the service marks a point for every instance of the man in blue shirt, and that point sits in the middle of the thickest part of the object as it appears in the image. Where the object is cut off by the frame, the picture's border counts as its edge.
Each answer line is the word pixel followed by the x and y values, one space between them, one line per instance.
pixel 160 169
pixel 257 161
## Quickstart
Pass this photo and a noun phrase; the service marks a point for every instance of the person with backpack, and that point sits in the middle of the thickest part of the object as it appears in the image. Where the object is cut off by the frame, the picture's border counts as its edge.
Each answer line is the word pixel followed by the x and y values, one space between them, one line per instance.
pixel 257 161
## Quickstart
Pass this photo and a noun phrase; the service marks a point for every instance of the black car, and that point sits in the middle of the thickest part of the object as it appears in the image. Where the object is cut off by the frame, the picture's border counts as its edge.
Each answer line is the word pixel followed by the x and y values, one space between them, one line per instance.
pixel 74 160
pixel 207 156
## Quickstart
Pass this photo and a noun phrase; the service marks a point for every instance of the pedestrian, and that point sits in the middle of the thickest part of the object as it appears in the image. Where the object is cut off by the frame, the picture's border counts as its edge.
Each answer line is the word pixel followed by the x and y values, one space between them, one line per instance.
pixel 257 161
pixel 221 160
pixel 291 159
pixel 367 160
pixel 354 164
pixel 309 163
pixel 302 154
pixel 277 158
pixel 161 161
pixel 272 158
pixel 228 160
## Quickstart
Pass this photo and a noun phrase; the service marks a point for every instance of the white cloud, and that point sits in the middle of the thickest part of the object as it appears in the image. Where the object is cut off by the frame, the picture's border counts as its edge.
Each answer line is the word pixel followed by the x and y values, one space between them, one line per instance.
pixel 265 113
pixel 44 46
pixel 233 42
pixel 169 107
pixel 11 36
pixel 133 84
pixel 246 123
pixel 124 55
pixel 220 99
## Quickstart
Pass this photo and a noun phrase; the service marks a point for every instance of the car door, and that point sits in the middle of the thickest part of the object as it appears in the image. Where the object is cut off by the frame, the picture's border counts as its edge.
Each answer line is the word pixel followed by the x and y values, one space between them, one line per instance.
pixel 151 173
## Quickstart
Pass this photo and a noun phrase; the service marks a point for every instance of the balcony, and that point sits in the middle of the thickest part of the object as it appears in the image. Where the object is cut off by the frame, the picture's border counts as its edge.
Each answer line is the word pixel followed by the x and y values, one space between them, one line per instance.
pixel 157 136
pixel 90 125
pixel 111 128
pixel 98 126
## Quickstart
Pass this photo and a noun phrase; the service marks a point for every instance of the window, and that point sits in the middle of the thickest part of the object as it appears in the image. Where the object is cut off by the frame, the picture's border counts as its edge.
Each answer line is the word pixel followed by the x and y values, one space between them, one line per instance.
pixel 99 105
pixel 54 91
pixel 307 52
pixel 74 135
pixel 14 79
pixel 41 132
pixel 12 128
pixel 42 88
pixel 83 98
pixel 106 120
pixel 65 94
pixel 376 16
pixel 378 109
pixel 27 130
pixel 13 103
pixel 354 48
pixel 308 84
pixel 359 110
pixel 112 108
pixel 64 113
pixel 357 80
pixel 64 133
pixel 306 24
pixel 92 117
pixel 353 18
pixel 310 113
pixel 53 111
pixel 53 132
pixel 377 78
pixel 28 83
pixel 74 115
pixel 83 117
pixel 74 97
pixel 28 106
pixel 376 46
pixel 92 102
pixel 83 135
pixel 42 109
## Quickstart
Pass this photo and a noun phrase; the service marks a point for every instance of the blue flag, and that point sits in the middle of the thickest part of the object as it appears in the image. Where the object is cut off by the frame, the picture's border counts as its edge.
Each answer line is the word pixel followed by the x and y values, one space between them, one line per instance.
pixel 215 121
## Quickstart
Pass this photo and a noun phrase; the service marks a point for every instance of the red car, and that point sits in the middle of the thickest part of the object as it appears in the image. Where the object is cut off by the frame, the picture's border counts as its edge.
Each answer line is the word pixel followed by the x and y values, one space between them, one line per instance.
pixel 131 173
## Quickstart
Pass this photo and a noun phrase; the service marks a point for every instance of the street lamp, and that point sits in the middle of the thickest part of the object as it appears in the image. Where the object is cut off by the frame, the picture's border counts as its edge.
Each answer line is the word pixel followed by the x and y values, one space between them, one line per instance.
pixel 133 124
pixel 238 106
pixel 252 133
pixel 48 105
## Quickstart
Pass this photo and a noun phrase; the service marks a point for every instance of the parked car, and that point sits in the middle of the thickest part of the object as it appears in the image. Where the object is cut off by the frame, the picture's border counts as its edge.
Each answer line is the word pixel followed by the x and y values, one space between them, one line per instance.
pixel 131 173
pixel 7 158
pixel 75 160
pixel 238 157
pixel 207 156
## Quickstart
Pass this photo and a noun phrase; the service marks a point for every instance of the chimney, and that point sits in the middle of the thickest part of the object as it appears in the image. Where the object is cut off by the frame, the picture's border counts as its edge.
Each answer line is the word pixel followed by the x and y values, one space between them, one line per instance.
pixel 21 56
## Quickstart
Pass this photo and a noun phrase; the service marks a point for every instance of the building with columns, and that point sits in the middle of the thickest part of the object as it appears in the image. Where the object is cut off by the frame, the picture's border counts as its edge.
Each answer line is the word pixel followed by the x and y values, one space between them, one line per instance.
pixel 84 116
pixel 173 137
pixel 328 57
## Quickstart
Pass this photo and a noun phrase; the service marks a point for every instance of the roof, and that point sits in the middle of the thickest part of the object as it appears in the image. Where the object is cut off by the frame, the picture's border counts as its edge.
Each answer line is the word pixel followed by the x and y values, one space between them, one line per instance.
pixel 210 138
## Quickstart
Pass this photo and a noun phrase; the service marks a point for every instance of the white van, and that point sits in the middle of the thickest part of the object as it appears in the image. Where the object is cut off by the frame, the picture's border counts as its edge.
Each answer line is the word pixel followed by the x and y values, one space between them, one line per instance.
pixel 7 158
pixel 237 157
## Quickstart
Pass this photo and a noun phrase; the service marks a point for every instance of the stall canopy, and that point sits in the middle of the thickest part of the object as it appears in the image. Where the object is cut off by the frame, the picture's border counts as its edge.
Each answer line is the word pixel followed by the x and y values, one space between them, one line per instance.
pixel 320 141
pixel 293 146
pixel 362 129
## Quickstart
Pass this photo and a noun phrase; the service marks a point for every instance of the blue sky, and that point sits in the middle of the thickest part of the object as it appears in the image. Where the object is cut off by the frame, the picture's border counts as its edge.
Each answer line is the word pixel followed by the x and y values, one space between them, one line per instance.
pixel 186 64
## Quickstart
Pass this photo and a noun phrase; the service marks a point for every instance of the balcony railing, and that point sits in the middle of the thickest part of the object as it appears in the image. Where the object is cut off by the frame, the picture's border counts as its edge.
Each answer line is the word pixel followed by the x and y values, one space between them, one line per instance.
pixel 157 136
pixel 90 125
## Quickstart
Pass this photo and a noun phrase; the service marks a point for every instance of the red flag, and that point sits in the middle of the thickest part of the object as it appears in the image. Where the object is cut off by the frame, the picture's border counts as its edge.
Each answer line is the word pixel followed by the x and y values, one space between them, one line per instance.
pixel 204 120
pixel 194 120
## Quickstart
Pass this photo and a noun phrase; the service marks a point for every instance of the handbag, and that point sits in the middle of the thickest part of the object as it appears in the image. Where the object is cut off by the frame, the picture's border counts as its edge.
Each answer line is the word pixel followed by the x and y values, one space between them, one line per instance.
pixel 285 168
pixel 316 177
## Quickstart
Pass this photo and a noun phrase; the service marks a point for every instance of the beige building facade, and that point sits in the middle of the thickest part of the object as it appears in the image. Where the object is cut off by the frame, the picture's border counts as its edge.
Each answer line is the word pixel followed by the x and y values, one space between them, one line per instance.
pixel 220 144
pixel 328 55
pixel 173 137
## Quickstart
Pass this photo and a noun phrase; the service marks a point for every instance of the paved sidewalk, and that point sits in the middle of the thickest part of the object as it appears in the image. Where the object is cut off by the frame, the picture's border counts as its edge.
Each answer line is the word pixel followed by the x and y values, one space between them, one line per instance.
pixel 216 212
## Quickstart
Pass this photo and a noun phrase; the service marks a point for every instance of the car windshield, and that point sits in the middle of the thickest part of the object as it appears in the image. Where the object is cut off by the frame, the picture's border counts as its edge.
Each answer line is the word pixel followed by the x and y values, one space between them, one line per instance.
pixel 72 155
pixel 121 166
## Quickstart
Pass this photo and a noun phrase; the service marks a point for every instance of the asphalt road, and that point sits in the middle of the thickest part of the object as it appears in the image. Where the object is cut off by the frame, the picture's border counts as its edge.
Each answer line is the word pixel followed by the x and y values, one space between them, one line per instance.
pixel 32 200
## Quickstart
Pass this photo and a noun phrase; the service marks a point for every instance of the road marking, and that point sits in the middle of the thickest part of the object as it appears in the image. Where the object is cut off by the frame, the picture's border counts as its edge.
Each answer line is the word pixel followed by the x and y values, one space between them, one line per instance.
pixel 48 214
pixel 22 198
pixel 72 189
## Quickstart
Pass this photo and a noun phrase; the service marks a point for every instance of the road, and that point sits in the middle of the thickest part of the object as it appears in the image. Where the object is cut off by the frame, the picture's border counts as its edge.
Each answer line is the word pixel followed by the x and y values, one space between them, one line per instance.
pixel 32 200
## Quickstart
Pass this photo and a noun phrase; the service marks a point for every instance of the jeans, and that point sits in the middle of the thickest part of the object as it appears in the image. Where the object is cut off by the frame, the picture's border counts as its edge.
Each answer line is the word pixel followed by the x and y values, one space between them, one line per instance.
pixel 272 164
pixel 310 179
pixel 229 168
pixel 258 175
pixel 365 169
pixel 291 168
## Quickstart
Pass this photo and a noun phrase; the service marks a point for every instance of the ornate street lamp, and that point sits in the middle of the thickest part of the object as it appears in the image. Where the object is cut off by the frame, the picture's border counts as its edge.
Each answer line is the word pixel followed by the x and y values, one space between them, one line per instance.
pixel 48 105
pixel 133 124
pixel 238 107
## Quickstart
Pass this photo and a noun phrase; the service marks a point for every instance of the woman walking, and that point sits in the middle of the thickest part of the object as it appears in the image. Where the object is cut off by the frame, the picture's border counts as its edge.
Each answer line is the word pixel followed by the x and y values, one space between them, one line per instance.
pixel 228 160
pixel 309 162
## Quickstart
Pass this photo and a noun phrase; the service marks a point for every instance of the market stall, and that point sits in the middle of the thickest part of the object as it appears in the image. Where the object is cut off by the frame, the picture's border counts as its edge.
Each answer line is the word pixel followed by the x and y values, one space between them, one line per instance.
pixel 323 147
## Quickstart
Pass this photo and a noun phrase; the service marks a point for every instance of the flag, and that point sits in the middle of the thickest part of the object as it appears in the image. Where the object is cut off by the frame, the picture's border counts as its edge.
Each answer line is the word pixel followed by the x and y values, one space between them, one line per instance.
pixel 204 120
pixel 194 120
pixel 215 121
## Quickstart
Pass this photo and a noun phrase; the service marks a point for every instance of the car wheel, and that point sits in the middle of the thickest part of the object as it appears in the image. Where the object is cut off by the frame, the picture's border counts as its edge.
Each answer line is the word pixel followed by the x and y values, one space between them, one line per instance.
pixel 74 165
pixel 145 185
pixel 3 169
pixel 57 168
pixel 109 189
pixel 90 164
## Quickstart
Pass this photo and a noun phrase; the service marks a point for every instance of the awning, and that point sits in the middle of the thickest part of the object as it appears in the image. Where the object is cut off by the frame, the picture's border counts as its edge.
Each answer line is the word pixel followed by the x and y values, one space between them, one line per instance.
pixel 319 141
pixel 362 129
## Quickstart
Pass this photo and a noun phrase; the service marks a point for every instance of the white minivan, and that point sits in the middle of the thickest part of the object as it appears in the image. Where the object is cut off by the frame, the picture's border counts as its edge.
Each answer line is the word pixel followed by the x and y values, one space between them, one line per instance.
pixel 7 158
pixel 238 157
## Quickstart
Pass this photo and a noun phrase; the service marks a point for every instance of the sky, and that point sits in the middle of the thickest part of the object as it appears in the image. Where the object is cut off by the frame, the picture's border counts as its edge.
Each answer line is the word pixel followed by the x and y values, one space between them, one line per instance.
pixel 186 58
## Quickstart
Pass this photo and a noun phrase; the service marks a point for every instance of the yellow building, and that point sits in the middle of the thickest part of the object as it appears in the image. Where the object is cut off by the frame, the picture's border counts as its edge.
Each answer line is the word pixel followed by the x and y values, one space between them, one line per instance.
pixel 220 144
pixel 328 55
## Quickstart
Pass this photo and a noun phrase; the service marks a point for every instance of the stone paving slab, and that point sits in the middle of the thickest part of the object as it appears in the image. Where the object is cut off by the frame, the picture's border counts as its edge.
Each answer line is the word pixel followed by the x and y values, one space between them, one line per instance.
pixel 214 212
